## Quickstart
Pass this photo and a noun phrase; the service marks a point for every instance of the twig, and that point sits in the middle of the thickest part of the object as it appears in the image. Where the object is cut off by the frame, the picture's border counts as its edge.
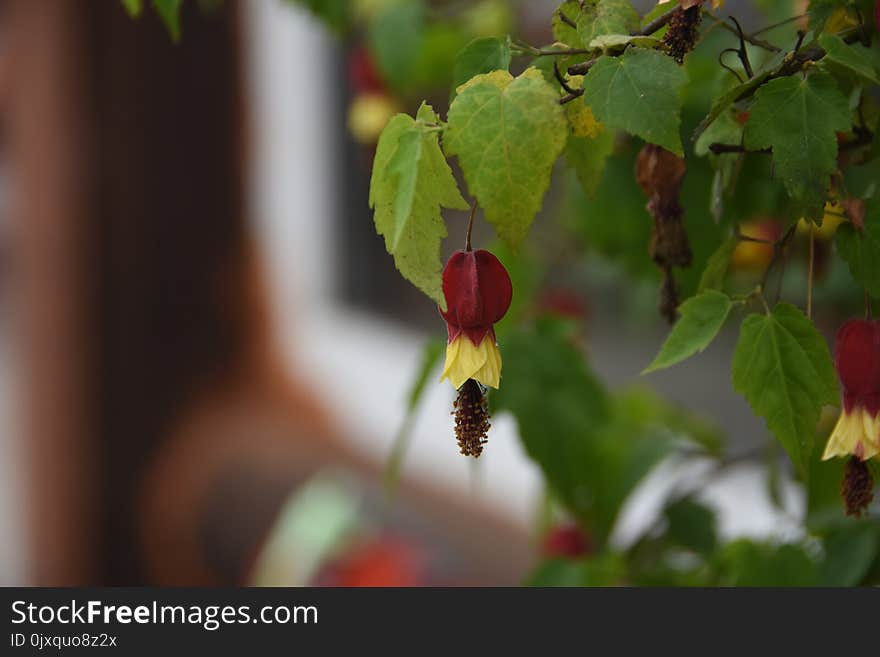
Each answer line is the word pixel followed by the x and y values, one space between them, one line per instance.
pixel 565 19
pixel 720 149
pixel 571 93
pixel 742 51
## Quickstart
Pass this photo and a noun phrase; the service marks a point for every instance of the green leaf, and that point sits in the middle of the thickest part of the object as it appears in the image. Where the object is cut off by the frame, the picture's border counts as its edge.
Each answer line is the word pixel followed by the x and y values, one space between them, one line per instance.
pixel 691 525
pixel 855 58
pixel 861 250
pixel 747 563
pixel 782 366
pixel 624 239
pixel 507 133
pixel 702 317
pixel 600 17
pixel 593 450
pixel 395 39
pixel 821 10
pixel 728 98
pixel 169 12
pixel 798 118
pixel 411 181
pixel 717 264
pixel 134 8
pixel 849 553
pixel 603 570
pixel 587 157
pixel 639 92
pixel 558 405
pixel 480 56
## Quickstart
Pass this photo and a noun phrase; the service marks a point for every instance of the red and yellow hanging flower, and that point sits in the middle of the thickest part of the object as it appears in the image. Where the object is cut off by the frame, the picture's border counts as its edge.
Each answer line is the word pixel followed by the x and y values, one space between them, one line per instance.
pixel 857 360
pixel 478 291
pixel 857 432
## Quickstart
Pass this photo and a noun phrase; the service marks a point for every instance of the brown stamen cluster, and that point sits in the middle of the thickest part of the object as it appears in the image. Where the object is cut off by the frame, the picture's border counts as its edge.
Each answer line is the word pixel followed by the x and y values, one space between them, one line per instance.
pixel 857 487
pixel 683 32
pixel 471 413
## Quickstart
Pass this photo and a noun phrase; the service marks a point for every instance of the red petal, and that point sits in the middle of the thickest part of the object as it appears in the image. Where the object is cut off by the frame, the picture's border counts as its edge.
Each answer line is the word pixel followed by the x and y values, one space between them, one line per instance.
pixel 477 290
pixel 857 360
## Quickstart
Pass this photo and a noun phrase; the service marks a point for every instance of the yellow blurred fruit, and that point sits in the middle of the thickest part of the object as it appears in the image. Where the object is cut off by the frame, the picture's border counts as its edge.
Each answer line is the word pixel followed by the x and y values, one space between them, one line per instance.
pixel 755 256
pixel 368 115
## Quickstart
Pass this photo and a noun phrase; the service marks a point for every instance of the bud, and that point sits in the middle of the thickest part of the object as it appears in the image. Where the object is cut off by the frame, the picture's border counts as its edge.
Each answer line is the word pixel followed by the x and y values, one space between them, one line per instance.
pixel 478 291
pixel 857 360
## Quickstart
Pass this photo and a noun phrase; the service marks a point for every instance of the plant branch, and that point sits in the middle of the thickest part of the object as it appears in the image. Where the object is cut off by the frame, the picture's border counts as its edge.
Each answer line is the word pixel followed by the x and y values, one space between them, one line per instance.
pixel 720 149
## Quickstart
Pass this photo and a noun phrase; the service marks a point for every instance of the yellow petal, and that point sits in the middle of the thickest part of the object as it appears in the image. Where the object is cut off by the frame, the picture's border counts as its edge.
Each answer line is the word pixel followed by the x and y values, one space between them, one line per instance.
pixel 466 361
pixel 856 433
pixel 490 373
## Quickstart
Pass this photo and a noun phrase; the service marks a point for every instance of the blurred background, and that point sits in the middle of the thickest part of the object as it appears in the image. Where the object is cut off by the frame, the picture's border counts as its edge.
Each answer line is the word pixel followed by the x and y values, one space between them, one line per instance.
pixel 205 352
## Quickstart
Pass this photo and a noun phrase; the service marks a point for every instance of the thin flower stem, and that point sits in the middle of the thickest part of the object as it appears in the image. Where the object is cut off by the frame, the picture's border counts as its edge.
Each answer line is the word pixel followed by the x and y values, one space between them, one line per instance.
pixel 470 228
pixel 868 312
pixel 810 270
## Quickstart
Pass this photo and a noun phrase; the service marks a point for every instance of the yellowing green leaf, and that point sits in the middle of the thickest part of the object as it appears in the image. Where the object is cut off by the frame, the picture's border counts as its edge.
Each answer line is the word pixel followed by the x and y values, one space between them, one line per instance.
pixel 702 317
pixel 507 133
pixel 782 366
pixel 411 181
pixel 798 118
pixel 580 116
pixel 638 92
